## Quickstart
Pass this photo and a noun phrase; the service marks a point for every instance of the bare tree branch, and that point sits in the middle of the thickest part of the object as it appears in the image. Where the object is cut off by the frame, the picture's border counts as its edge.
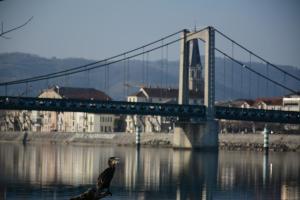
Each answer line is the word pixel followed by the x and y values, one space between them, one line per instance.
pixel 13 29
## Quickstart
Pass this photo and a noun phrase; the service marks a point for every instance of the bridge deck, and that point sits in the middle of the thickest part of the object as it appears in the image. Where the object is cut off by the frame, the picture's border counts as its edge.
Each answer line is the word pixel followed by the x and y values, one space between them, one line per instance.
pixel 141 108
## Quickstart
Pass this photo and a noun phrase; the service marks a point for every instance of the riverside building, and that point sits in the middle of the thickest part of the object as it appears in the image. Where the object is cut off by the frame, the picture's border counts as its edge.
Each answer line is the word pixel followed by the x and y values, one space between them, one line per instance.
pixel 75 121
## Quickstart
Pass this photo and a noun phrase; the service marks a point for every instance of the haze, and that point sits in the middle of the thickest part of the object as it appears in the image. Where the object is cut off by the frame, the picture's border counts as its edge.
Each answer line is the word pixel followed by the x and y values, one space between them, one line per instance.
pixel 97 29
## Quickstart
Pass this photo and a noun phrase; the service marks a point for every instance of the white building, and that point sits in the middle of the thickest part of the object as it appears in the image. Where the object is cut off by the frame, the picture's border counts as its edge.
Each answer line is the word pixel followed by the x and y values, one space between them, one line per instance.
pixel 272 103
pixel 292 102
pixel 75 121
pixel 18 120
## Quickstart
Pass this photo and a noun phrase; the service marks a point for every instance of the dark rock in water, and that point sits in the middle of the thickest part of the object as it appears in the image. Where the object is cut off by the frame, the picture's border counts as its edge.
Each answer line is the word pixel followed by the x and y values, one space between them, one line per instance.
pixel 92 194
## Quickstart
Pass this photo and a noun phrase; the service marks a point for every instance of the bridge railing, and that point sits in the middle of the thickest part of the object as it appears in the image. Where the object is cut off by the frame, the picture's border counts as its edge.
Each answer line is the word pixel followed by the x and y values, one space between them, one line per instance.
pixel 250 114
pixel 105 107
pixel 144 108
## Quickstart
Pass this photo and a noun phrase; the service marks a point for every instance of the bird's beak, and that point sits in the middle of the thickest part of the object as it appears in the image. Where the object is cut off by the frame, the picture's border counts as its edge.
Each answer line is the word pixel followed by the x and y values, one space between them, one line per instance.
pixel 117 160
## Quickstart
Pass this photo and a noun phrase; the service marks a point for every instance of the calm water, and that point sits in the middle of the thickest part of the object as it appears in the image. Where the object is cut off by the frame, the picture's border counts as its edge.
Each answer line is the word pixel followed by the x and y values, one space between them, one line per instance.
pixel 62 171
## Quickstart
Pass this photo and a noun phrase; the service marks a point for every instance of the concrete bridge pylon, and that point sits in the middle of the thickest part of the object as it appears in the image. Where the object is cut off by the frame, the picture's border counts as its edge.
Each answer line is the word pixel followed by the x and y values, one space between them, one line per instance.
pixel 193 133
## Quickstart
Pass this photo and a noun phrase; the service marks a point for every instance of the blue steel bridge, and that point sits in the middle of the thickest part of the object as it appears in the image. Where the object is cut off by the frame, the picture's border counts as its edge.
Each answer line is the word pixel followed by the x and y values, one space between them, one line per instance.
pixel 189 75
pixel 141 108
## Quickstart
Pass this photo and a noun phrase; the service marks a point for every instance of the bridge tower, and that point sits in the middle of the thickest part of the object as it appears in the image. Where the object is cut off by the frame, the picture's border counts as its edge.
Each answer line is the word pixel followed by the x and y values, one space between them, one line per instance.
pixel 194 133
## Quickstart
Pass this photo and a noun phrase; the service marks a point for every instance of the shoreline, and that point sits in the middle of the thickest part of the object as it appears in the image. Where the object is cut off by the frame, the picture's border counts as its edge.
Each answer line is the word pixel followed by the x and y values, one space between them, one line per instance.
pixel 252 142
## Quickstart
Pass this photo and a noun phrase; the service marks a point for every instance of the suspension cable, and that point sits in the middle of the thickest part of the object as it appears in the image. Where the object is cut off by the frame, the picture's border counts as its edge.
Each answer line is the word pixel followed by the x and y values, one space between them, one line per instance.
pixel 124 77
pixel 242 81
pixel 143 68
pixel 249 84
pixel 88 79
pixel 255 72
pixel 284 79
pixel 26 89
pixel 66 81
pixel 224 78
pixel 92 63
pixel 147 70
pixel 167 66
pixel 267 83
pixel 259 57
pixel 70 71
pixel 162 70
pixel 108 85
pixel 128 76
pixel 105 77
pixel 232 71
pixel 93 67
pixel 257 87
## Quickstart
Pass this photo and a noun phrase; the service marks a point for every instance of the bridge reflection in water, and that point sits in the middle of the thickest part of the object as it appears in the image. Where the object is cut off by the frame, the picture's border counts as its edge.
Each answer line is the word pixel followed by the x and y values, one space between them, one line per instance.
pixel 61 171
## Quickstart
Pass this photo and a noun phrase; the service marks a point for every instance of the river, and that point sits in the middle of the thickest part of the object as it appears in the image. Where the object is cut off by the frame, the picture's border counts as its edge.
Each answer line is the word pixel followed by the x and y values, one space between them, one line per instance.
pixel 45 171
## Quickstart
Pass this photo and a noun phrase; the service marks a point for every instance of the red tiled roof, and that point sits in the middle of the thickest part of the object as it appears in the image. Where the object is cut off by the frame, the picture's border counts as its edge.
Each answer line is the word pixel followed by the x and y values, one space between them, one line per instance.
pixel 275 101
pixel 81 93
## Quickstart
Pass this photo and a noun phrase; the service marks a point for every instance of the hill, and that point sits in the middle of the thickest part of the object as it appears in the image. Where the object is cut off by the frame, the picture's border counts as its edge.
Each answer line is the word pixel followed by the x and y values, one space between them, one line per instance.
pixel 15 66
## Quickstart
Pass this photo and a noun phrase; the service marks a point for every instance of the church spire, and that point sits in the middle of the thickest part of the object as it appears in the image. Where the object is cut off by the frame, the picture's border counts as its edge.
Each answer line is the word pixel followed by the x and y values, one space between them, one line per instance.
pixel 195 67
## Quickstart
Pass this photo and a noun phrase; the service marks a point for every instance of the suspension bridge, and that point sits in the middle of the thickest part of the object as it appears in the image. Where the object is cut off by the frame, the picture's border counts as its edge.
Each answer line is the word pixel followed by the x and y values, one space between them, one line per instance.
pixel 197 125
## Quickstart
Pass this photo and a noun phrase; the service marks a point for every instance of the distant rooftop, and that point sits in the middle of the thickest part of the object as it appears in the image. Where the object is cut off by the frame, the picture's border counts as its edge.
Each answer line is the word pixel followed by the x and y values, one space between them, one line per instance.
pixel 236 103
pixel 81 93
pixel 164 93
pixel 270 100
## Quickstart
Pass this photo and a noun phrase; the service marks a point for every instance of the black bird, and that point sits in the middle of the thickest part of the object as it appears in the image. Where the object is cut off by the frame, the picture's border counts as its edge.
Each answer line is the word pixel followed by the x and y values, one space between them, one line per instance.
pixel 103 183
pixel 106 176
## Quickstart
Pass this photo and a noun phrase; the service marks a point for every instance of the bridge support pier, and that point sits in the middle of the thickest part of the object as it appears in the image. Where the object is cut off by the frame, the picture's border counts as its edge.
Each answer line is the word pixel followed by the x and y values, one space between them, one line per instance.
pixel 200 135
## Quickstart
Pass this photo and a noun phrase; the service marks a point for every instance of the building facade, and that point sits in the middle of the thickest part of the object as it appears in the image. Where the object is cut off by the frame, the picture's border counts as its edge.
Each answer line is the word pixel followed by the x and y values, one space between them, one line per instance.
pixel 75 121
pixel 272 103
pixel 15 120
pixel 291 102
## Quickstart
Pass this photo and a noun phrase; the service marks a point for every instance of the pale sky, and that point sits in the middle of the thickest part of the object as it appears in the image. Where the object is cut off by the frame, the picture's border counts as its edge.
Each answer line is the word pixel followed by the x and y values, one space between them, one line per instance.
pixel 96 29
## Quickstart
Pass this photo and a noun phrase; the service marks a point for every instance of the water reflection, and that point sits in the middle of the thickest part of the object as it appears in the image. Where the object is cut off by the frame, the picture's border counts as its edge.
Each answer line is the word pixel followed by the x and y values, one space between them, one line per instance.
pixel 61 171
pixel 196 174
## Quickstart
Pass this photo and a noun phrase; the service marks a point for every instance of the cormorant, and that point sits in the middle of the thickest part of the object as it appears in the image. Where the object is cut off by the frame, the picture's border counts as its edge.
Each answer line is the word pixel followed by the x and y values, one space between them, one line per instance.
pixel 106 176
pixel 103 183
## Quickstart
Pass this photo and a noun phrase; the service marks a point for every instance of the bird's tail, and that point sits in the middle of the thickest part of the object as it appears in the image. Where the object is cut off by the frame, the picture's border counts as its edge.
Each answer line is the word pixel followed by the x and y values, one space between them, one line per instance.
pixel 89 194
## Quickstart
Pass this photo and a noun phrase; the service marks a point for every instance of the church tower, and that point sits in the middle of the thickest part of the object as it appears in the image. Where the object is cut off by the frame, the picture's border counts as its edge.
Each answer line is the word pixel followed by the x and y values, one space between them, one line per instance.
pixel 195 67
